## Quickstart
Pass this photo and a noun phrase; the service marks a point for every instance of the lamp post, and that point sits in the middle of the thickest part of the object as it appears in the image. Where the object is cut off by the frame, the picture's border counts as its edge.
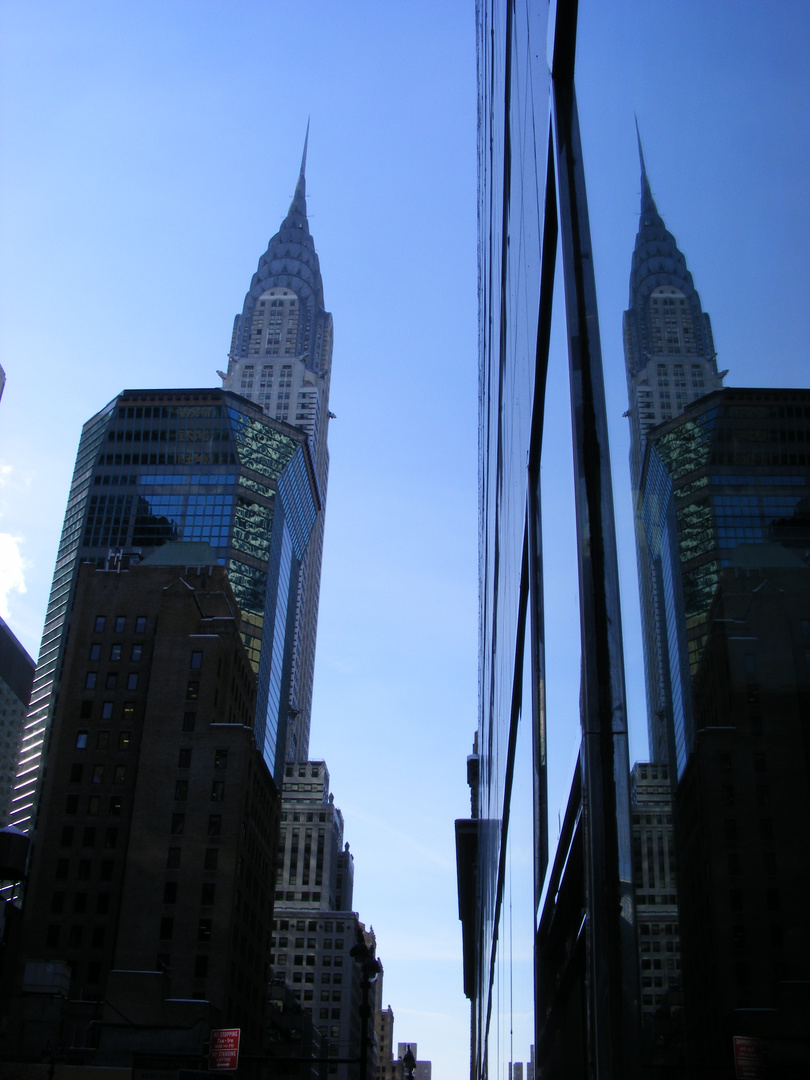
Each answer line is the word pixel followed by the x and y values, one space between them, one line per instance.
pixel 408 1063
pixel 369 966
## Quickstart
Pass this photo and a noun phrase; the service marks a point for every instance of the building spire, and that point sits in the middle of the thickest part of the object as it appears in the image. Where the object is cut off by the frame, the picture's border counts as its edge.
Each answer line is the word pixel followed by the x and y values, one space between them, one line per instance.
pixel 298 207
pixel 649 211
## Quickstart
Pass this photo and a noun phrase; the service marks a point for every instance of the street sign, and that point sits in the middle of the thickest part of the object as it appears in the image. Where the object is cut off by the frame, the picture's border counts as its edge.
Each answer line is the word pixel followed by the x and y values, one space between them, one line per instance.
pixel 224 1052
pixel 747 1058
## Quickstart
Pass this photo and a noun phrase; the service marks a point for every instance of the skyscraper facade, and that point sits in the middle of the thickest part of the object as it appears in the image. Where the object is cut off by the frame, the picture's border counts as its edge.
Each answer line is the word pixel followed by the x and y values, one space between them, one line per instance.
pixel 281 359
pixel 670 361
pixel 16 676
pixel 205 465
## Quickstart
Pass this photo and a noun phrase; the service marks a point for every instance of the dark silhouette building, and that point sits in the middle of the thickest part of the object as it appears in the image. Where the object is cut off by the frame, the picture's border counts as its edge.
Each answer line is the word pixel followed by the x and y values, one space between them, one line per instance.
pixel 148 911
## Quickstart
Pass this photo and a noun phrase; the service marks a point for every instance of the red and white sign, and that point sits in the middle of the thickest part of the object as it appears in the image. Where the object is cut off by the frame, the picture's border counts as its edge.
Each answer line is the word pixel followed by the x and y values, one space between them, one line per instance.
pixel 224 1052
pixel 747 1058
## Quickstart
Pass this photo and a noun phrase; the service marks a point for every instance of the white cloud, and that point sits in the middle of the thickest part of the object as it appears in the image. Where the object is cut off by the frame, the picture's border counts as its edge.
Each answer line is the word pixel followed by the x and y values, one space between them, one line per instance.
pixel 12 577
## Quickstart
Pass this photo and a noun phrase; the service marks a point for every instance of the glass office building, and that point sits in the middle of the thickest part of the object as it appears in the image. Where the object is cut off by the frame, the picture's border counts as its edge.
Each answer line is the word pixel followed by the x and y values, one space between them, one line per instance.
pixel 532 203
pixel 728 479
pixel 185 465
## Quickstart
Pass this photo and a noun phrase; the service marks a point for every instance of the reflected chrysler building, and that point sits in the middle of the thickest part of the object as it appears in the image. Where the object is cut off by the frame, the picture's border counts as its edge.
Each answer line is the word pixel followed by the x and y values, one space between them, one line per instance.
pixel 670 362
pixel 281 358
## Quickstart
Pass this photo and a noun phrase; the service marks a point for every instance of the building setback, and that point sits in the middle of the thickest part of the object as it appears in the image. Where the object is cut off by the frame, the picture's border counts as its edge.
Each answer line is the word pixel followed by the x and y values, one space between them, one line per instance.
pixel 153 858
pixel 195 465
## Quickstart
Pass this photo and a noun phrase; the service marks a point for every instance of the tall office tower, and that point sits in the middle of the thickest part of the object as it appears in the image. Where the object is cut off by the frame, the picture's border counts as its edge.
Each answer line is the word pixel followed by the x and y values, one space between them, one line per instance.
pixel 727 478
pixel 670 361
pixel 207 465
pixel 150 890
pixel 16 677
pixel 654 872
pixel 314 927
pixel 281 358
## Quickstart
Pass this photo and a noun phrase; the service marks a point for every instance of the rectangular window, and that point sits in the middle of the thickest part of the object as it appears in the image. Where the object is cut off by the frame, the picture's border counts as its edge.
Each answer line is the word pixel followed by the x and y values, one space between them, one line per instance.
pixel 124 740
pixel 184 757
pixel 111 680
pixel 178 824
pixel 215 824
pixel 89 836
pixel 132 680
pixel 120 624
pixel 93 805
pixel 140 624
pixel 72 804
pixel 166 927
pixel 218 791
pixel 95 651
pixel 90 680
pixel 115 652
pixel 119 775
pixel 220 759
pixel 189 719
pixel 200 967
pixel 180 790
pixel 204 930
pixel 107 710
pixel 66 838
pixel 98 774
pixel 207 895
pixel 116 806
pixel 100 621
pixel 75 774
pixel 137 653
pixel 110 838
pixel 211 858
pixel 196 660
pixel 192 690
pixel 173 859
pixel 170 892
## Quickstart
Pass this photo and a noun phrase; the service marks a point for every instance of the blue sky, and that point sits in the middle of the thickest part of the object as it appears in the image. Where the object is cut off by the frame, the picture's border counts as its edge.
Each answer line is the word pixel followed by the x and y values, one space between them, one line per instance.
pixel 150 150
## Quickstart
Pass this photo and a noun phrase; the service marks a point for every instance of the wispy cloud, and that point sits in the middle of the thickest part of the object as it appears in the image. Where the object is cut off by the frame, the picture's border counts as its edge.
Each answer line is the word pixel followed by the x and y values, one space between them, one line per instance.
pixel 12 567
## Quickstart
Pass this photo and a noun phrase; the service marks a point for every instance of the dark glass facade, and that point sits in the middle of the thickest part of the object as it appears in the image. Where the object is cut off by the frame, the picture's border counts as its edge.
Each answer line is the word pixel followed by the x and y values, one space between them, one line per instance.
pixel 532 202
pixel 198 466
pixel 727 482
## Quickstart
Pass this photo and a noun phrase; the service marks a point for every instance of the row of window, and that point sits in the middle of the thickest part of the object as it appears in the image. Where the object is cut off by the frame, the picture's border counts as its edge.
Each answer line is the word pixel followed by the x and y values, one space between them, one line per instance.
pixel 121 624
pixel 111 680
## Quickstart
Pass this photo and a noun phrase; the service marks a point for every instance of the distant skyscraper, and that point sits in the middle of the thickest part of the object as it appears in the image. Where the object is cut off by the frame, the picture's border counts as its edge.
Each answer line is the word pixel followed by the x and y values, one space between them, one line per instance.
pixel 281 358
pixel 670 361
pixel 206 465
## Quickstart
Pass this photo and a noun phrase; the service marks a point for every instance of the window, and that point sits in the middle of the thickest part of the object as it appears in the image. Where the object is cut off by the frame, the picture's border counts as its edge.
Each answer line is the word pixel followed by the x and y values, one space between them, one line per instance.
pixel 116 805
pixel 115 652
pixel 95 651
pixel 137 653
pixel 98 939
pixel 66 838
pixel 52 936
pixel 93 805
pixel 100 621
pixel 211 856
pixel 173 859
pixel 196 661
pixel 204 930
pixel 166 927
pixel 215 824
pixel 106 875
pixel 200 967
pixel 207 895
pixel 170 892
pixel 90 680
pixel 72 804
pixel 98 774
pixel 132 680
pixel 119 775
pixel 75 774
pixel 107 710
pixel 184 757
pixel 86 710
pixel 123 740
pixel 180 790
pixel 189 719
pixel 129 711
pixel 218 791
pixel 58 903
pixel 140 624
pixel 75 936
pixel 110 838
pixel 120 624
pixel 178 824
pixel 111 680
pixel 220 759
pixel 192 690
